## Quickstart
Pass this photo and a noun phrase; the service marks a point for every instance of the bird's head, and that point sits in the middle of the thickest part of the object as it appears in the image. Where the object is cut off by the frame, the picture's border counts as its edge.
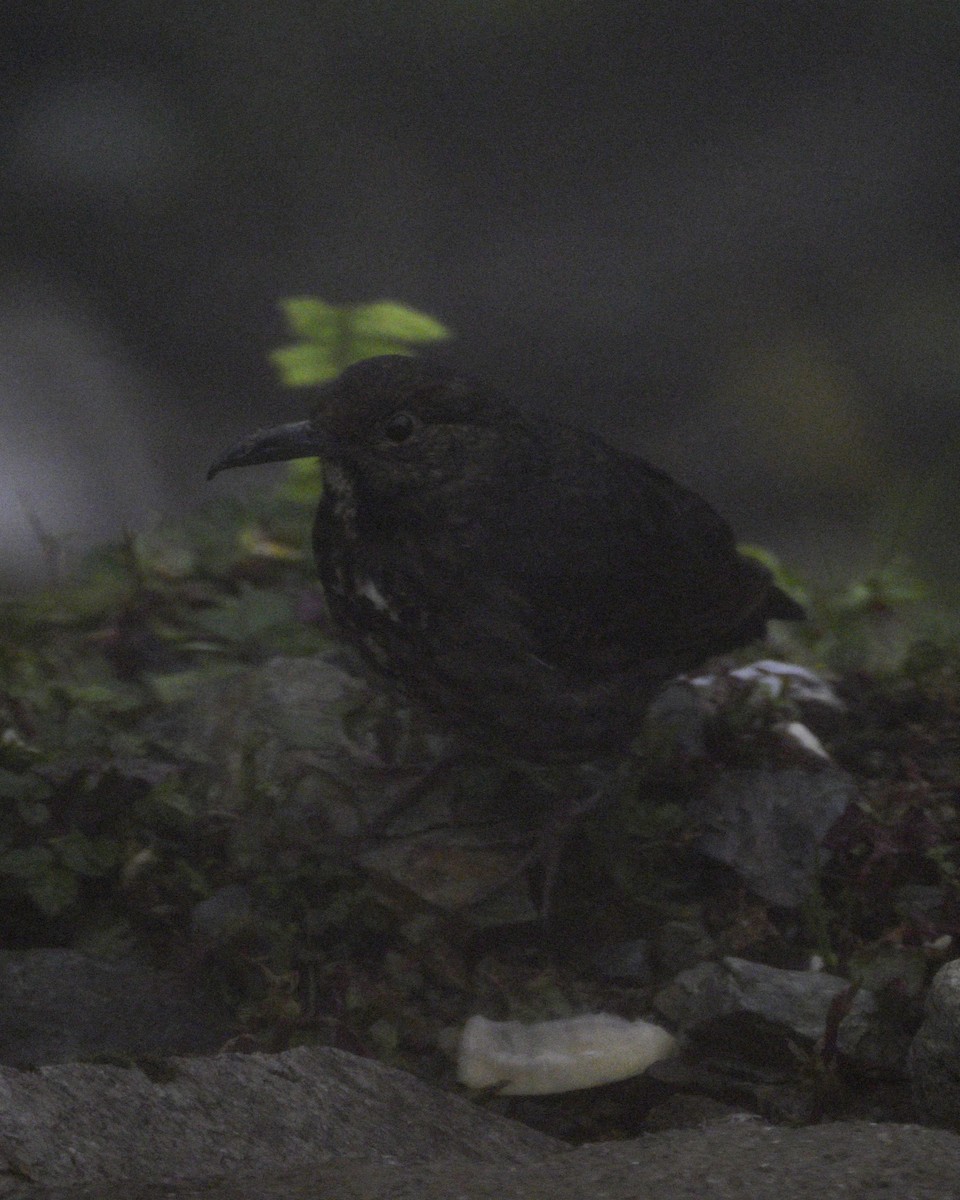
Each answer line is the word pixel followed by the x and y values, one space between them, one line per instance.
pixel 395 425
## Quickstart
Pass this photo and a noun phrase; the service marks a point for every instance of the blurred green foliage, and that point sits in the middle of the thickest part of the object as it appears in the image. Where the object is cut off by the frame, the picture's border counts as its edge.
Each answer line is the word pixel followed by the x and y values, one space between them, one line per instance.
pixel 875 622
pixel 94 797
pixel 330 337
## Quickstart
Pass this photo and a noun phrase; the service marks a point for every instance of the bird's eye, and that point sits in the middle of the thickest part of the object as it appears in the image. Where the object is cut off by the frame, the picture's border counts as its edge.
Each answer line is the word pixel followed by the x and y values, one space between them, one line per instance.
pixel 399 427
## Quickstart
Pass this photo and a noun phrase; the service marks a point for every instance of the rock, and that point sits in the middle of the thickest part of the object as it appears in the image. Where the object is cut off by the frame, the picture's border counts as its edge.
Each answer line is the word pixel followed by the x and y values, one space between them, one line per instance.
pixel 768 825
pixel 676 721
pixel 793 689
pixel 312 734
pixel 308 756
pixel 215 920
pixel 682 944
pixel 935 1053
pixel 57 1006
pixel 728 1160
pixel 750 1010
pixel 732 1159
pixel 788 681
pixel 625 961
pixel 234 1116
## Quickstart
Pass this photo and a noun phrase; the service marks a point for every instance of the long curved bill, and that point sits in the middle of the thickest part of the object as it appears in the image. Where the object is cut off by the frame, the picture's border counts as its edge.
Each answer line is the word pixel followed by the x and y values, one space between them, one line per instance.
pixel 283 442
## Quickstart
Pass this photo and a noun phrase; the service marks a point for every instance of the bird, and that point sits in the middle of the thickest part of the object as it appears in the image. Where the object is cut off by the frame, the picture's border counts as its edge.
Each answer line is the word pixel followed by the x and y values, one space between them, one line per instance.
pixel 530 585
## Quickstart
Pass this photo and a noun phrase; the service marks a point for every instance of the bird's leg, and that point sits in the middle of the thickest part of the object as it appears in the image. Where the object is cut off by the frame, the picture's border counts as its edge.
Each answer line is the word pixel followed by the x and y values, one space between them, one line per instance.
pixel 552 840
pixel 548 846
pixel 408 796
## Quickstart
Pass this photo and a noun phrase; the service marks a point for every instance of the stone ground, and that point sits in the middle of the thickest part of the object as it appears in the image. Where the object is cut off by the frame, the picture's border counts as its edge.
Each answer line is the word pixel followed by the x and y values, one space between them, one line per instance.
pixel 321 1123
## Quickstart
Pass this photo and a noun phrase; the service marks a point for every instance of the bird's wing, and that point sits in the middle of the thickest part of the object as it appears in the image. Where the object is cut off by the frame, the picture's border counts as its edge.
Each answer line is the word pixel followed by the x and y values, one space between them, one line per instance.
pixel 623 562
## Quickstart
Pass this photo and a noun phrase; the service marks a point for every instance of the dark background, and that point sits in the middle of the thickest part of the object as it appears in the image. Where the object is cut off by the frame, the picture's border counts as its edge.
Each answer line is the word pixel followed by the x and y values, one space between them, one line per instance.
pixel 724 235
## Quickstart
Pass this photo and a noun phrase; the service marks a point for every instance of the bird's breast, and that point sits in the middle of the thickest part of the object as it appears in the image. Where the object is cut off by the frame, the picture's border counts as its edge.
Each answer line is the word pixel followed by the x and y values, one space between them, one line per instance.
pixel 368 579
pixel 338 507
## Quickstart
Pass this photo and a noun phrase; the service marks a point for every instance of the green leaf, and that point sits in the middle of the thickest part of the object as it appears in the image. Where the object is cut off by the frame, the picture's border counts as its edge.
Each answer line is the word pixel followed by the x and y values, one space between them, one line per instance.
pixel 304 364
pixel 332 337
pixel 165 552
pixel 893 585
pixel 102 584
pixel 49 885
pixel 880 965
pixel 309 317
pixel 82 729
pixel 243 618
pixel 166 807
pixel 117 696
pixel 387 319
pixel 370 347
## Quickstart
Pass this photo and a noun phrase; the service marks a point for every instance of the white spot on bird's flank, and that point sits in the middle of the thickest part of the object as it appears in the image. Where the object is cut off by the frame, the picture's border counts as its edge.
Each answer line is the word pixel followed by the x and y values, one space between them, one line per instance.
pixel 371 592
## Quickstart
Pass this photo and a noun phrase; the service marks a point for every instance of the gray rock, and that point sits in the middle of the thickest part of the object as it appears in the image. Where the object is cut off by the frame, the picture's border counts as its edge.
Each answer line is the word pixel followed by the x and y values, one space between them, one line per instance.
pixel 729 1160
pixel 682 944
pixel 307 756
pixel 768 826
pixel 734 1159
pixel 676 721
pixel 57 1006
pixel 237 1115
pixel 304 749
pixel 753 1010
pixel 214 920
pixel 627 960
pixel 935 1053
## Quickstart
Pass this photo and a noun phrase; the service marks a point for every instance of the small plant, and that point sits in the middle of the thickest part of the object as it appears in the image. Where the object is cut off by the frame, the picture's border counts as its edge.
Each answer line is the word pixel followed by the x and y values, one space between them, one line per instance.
pixel 331 337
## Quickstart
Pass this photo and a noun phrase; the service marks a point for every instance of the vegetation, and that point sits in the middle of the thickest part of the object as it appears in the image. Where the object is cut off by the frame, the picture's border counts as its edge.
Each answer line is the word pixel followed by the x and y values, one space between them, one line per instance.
pixel 114 829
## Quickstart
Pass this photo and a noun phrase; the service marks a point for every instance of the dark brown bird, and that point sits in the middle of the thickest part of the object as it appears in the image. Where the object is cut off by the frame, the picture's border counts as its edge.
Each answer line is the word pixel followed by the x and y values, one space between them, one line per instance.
pixel 530 584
